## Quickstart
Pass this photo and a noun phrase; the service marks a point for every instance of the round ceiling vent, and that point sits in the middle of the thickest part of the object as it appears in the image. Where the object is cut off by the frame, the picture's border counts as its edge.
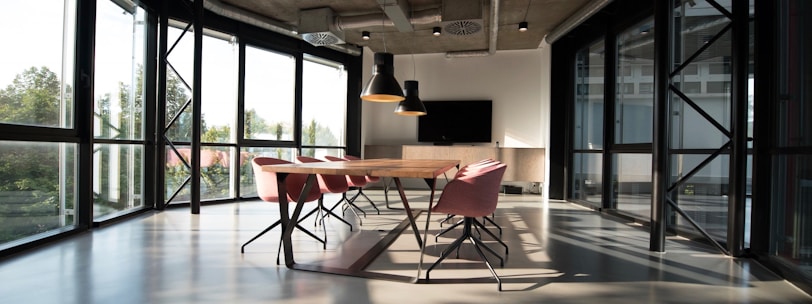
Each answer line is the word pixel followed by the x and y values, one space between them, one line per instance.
pixel 321 38
pixel 463 27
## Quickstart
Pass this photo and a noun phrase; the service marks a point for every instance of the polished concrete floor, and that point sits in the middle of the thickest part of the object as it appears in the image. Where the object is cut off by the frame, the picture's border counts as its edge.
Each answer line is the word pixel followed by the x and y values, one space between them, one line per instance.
pixel 559 253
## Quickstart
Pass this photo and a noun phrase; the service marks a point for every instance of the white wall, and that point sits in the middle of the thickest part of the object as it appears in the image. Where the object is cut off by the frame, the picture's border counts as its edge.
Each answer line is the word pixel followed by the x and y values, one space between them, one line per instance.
pixel 516 81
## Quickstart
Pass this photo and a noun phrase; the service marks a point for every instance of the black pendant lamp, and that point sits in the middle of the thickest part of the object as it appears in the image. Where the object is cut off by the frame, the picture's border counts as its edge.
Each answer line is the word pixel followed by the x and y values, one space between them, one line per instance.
pixel 382 86
pixel 411 106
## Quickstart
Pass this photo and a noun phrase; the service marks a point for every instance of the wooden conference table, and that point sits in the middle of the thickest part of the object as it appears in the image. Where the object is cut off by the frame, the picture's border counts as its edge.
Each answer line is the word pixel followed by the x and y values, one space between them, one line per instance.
pixel 427 169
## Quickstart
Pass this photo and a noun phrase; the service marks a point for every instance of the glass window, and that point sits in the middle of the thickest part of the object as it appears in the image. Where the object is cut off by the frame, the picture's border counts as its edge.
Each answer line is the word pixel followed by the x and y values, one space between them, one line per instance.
pixel 626 88
pixel 270 80
pixel 219 115
pixel 718 87
pixel 247 154
pixel 646 88
pixel 215 172
pixel 216 164
pixel 690 130
pixel 119 80
pixel 117 178
pixel 587 180
pixel 36 74
pixel 176 173
pixel 631 184
pixel 119 108
pixel 691 69
pixel 219 86
pixel 37 188
pixel 633 112
pixel 218 110
pixel 647 69
pixel 37 179
pixel 703 196
pixel 719 68
pixel 324 104
pixel 794 100
pixel 596 71
pixel 691 87
pixel 792 210
pixel 791 215
pixel 624 71
pixel 595 89
pixel 219 91
pixel 589 98
pixel 179 78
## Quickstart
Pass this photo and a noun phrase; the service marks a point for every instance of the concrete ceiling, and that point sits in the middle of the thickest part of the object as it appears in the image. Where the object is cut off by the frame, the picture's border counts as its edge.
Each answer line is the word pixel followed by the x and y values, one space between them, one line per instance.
pixel 541 15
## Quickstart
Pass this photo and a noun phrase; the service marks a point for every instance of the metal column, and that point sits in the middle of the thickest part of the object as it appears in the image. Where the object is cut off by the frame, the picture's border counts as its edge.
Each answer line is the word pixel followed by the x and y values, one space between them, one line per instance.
pixel 663 56
pixel 738 150
pixel 196 103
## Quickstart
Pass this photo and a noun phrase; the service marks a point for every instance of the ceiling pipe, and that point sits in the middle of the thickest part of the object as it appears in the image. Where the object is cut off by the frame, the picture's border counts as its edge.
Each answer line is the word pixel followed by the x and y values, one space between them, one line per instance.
pixel 575 20
pixel 232 12
pixel 398 12
pixel 494 31
pixel 424 17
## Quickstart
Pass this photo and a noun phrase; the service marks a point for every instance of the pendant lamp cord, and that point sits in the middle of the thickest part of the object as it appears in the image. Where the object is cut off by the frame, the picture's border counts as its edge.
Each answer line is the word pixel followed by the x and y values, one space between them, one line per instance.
pixel 411 50
pixel 527 10
pixel 383 27
pixel 414 68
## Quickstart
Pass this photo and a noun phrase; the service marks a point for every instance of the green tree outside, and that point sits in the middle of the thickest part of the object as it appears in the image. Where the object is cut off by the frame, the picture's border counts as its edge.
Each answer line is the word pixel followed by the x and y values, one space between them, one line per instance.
pixel 315 134
pixel 29 186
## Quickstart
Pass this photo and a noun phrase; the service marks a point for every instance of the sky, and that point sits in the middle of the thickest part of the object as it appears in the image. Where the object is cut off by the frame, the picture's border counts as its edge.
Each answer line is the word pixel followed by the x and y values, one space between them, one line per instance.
pixel 38 45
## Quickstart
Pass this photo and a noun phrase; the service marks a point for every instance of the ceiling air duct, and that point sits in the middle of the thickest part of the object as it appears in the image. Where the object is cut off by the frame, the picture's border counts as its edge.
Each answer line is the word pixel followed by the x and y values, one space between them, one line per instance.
pixel 316 26
pixel 462 17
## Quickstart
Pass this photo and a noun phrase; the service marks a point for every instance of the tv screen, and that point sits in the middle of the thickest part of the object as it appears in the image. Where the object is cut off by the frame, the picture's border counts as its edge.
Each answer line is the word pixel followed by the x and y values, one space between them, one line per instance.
pixel 462 121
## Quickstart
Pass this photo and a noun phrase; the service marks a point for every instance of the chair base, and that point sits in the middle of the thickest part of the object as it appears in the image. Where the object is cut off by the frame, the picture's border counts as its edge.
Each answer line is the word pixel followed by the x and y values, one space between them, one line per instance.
pixel 477 226
pixel 361 193
pixel 279 250
pixel 349 204
pixel 323 212
pixel 485 218
pixel 468 222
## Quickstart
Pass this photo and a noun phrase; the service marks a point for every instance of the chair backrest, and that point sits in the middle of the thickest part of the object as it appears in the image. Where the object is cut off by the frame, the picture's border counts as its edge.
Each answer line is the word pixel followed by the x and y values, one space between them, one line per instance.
pixel 352 180
pixel 474 193
pixel 266 182
pixel 476 166
pixel 327 183
pixel 370 179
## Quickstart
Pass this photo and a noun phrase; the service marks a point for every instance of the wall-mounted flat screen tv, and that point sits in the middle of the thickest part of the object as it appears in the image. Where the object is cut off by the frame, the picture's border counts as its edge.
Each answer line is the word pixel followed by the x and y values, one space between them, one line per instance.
pixel 459 121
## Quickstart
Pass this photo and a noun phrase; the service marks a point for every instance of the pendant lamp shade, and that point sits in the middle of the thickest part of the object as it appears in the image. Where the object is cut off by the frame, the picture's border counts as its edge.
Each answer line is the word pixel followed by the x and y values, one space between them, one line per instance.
pixel 411 106
pixel 382 86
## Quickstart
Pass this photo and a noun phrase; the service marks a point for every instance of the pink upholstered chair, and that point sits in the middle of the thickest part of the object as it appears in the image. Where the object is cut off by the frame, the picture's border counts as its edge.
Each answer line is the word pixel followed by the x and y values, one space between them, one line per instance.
pixel 471 194
pixel 370 180
pixel 355 183
pixel 267 190
pixel 328 184
pixel 467 169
